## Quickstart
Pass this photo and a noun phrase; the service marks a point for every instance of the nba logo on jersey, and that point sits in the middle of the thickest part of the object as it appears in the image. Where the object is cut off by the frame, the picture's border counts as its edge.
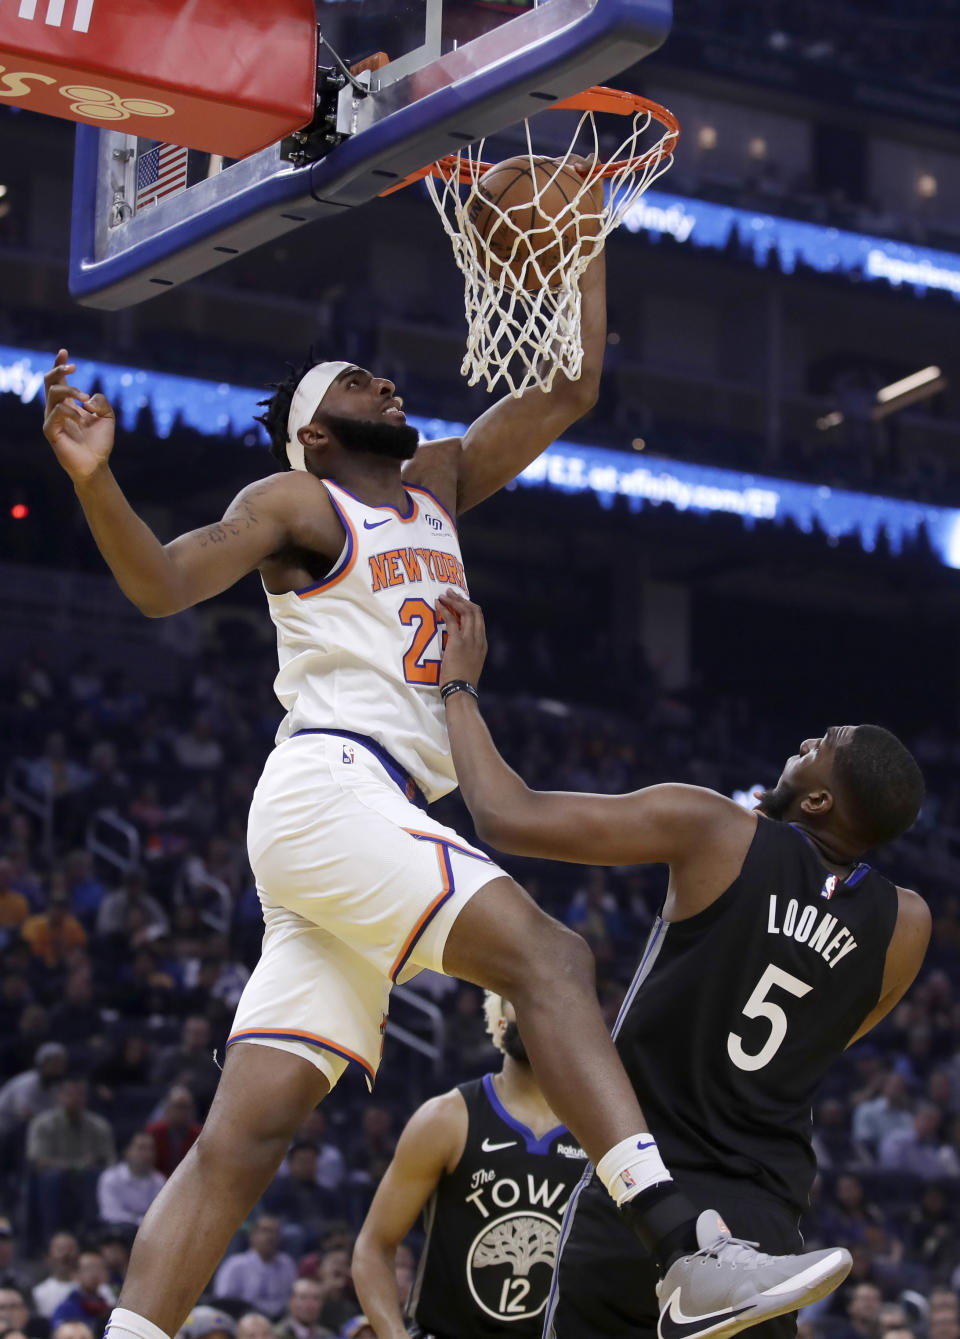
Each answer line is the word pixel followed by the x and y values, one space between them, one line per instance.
pixel 829 887
pixel 348 753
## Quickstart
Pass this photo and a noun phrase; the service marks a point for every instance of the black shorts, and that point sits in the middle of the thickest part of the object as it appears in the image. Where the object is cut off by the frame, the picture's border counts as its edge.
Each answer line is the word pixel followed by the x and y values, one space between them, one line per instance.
pixel 605 1281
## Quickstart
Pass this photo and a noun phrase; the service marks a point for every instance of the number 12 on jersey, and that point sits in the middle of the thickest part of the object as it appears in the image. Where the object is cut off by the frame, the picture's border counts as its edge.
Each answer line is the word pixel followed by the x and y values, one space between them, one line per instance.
pixel 422 617
pixel 759 1006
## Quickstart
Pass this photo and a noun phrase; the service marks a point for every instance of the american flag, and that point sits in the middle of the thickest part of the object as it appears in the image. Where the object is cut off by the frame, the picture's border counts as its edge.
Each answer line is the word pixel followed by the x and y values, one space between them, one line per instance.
pixel 161 171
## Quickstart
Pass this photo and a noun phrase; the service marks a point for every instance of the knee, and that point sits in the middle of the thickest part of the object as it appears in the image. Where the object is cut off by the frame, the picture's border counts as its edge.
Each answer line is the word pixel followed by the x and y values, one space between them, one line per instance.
pixel 555 956
pixel 256 1138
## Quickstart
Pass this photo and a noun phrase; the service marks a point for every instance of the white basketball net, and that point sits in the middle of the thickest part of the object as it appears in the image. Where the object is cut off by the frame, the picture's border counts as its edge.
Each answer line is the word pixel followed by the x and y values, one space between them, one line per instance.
pixel 523 317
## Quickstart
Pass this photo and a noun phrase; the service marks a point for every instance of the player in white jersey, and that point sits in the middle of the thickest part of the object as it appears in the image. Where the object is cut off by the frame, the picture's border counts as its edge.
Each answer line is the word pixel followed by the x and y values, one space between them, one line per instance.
pixel 354 544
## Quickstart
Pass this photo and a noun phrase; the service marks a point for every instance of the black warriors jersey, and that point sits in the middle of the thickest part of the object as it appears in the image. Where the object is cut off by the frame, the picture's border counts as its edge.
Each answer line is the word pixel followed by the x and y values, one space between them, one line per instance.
pixel 735 1014
pixel 493 1225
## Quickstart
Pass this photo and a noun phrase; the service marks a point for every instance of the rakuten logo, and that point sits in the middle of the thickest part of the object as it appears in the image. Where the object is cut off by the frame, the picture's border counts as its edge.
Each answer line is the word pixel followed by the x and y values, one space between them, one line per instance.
pixel 82 13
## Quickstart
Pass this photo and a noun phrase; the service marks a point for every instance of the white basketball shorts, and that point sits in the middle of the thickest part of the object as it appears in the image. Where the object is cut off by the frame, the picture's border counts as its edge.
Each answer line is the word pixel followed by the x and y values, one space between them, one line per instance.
pixel 359 888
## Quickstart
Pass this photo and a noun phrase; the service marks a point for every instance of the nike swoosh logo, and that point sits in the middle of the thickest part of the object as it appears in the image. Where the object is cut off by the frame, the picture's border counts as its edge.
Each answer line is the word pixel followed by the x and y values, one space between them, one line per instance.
pixel 372 525
pixel 492 1148
pixel 675 1325
pixel 652 1143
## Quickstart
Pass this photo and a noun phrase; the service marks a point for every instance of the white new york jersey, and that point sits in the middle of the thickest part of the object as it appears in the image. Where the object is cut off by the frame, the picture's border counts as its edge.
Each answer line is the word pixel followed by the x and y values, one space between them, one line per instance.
pixel 360 651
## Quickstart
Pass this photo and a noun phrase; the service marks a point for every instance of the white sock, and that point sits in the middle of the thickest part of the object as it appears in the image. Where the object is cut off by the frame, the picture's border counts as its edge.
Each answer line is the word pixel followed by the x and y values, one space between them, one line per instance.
pixel 632 1166
pixel 125 1324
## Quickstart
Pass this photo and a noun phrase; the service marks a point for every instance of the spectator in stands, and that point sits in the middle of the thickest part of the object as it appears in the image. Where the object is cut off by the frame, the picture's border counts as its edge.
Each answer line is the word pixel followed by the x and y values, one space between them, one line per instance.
pixel 126 1067
pixel 86 890
pixel 875 1118
pixel 593 910
pixel 14 1312
pixel 930 1234
pixel 176 1131
pixel 78 1017
pixel 190 1064
pixel 14 907
pixel 847 1214
pixel 339 1300
pixel 302 1319
pixel 115 1243
pixel 302 1206
pixel 73 1329
pixel 369 1153
pixel 53 933
pixel 198 749
pixel 107 786
pixel 116 906
pixel 14 997
pixel 27 1094
pixel 126 1190
pixel 91 1300
pixel 331 1166
pixel 944 1320
pixel 67 1148
pixel 208 1322
pixel 13 1274
pixel 916 1062
pixel 262 1276
pixel 17 1053
pixel 85 682
pixel 919 1148
pixel 831 1140
pixel 63 1255
pixel 54 774
pixel 940 1091
pixel 227 978
pixel 254 1326
pixel 863 1312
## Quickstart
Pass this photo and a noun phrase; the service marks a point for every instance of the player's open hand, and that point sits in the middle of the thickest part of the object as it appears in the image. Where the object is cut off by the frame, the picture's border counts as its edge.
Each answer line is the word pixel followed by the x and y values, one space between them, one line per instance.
pixel 78 426
pixel 466 639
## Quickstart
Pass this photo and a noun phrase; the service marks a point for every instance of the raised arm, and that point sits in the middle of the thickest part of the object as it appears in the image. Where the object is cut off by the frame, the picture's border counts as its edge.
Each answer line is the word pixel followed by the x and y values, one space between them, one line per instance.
pixel 670 824
pixel 163 579
pixel 431 1145
pixel 502 442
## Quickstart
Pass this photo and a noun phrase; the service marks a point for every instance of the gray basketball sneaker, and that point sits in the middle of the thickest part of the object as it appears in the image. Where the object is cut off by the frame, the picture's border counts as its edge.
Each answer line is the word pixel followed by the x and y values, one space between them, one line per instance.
pixel 728 1285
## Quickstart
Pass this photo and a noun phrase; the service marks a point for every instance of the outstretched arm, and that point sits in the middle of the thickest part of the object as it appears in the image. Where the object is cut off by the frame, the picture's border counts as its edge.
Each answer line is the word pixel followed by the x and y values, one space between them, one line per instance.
pixel 431 1144
pixel 661 824
pixel 514 431
pixel 163 579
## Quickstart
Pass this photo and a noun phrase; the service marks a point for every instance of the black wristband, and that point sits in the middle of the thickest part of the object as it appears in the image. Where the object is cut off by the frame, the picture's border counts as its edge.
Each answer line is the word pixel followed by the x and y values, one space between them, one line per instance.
pixel 458 686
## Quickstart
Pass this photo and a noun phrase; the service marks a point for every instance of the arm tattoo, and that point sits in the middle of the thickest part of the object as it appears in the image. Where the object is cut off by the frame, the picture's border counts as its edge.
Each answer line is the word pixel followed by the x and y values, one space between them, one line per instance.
pixel 243 519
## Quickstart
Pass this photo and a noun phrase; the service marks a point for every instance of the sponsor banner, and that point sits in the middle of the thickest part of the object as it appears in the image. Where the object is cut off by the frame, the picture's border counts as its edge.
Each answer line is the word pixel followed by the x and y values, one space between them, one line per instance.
pixel 221 409
pixel 701 223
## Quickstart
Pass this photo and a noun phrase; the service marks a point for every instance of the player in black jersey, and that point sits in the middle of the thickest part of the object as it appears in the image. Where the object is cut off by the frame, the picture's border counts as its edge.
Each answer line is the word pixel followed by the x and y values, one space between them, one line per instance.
pixel 492 1169
pixel 776 947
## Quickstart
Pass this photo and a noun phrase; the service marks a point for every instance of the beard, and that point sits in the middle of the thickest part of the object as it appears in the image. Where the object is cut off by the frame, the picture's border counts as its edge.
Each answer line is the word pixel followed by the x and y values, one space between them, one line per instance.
pixel 776 803
pixel 512 1043
pixel 396 441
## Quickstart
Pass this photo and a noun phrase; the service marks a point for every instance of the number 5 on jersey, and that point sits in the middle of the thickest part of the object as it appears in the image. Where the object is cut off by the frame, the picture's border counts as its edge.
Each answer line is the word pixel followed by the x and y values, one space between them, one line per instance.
pixel 759 1006
pixel 422 617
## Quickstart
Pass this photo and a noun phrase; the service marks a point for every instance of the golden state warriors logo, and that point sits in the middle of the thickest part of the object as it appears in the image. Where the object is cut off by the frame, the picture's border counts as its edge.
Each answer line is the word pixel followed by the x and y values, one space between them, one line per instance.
pixel 510 1264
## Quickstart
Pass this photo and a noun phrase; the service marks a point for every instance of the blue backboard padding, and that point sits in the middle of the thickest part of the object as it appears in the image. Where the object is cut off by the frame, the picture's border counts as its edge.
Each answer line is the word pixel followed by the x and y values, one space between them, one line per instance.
pixel 219 409
pixel 624 29
pixel 700 223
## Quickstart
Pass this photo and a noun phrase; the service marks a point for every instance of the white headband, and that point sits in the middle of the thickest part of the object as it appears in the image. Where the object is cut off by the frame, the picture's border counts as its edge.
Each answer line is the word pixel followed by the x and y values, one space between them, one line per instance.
pixel 303 406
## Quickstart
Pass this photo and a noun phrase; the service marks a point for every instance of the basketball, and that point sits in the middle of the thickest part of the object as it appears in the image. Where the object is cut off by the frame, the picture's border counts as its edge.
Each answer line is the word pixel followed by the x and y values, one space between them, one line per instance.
pixel 528 215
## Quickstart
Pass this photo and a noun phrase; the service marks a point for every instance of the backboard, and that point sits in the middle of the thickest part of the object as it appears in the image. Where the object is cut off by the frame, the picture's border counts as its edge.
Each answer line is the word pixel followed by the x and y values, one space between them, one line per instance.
pixel 146 217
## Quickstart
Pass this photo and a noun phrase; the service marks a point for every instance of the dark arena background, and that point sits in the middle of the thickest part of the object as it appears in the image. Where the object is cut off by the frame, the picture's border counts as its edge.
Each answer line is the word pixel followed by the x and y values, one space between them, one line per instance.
pixel 747 540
